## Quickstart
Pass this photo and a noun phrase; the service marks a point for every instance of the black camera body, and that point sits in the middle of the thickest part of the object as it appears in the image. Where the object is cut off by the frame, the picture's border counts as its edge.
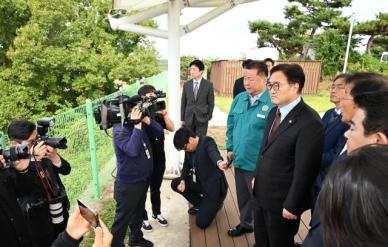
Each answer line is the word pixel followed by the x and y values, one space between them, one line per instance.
pixel 43 125
pixel 15 153
pixel 118 110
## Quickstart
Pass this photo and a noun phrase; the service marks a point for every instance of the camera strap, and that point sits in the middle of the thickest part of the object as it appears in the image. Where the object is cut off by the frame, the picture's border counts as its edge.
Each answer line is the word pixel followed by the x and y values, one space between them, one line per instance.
pixel 51 188
pixel 146 150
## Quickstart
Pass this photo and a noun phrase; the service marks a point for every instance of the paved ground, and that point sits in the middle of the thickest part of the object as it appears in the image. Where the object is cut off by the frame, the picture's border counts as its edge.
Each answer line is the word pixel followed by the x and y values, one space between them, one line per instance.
pixel 219 117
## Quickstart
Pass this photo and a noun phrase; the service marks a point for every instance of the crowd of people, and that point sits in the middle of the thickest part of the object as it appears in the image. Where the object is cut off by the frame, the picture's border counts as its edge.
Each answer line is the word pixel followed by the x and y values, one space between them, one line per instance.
pixel 286 160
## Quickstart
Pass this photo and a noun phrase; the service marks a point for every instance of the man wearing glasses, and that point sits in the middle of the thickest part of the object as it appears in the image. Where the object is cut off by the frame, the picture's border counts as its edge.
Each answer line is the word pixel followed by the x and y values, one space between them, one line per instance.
pixel 289 160
pixel 202 181
pixel 334 132
pixel 245 129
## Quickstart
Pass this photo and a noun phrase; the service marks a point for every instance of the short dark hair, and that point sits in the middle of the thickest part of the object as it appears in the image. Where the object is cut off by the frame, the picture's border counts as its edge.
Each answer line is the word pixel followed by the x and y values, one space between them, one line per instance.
pixel 182 136
pixel 341 76
pixel 20 129
pixel 269 60
pixel 245 62
pixel 146 89
pixel 365 82
pixel 353 202
pixel 257 65
pixel 198 63
pixel 354 78
pixel 293 72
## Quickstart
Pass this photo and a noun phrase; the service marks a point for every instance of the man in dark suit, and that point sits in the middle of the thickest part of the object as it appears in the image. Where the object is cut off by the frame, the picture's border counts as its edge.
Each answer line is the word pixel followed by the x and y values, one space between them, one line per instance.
pixel 334 132
pixel 356 85
pixel 197 101
pixel 201 182
pixel 289 160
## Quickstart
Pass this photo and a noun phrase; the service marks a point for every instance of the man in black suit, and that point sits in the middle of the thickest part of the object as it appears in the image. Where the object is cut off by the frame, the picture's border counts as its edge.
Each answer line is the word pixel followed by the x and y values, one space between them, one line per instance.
pixel 334 132
pixel 202 181
pixel 238 86
pixel 197 101
pixel 289 160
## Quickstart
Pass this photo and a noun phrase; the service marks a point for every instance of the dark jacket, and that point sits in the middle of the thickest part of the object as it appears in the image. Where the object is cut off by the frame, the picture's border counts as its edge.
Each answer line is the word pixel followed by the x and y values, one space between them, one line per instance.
pixel 65 240
pixel 334 142
pixel 289 161
pixel 12 223
pixel 202 107
pixel 131 145
pixel 211 178
pixel 238 86
pixel 34 201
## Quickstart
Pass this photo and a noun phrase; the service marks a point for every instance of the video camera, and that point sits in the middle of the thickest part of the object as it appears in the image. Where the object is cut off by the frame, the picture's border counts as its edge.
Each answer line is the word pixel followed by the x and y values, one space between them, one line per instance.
pixel 14 154
pixel 118 110
pixel 43 125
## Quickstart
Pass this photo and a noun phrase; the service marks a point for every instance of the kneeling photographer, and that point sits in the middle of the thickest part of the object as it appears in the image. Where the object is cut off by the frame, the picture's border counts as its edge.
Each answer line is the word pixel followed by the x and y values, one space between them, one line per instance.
pixel 41 194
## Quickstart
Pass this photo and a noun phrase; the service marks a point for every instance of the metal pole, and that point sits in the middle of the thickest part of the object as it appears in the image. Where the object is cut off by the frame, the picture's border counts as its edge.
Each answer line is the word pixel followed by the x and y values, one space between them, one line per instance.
pixel 174 11
pixel 348 46
pixel 92 148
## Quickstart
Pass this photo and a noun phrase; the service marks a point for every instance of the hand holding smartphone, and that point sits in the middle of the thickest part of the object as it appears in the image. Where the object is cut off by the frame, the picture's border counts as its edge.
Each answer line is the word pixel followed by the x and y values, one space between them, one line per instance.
pixel 89 214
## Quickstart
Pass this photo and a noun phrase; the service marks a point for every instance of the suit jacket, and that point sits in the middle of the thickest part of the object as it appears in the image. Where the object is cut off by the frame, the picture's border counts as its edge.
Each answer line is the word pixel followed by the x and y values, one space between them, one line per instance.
pixel 238 86
pixel 289 162
pixel 334 142
pixel 202 106
pixel 211 178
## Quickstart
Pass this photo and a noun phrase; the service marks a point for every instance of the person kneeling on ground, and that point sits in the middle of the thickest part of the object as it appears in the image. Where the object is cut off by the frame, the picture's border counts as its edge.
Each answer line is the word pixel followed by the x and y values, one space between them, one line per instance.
pixel 202 181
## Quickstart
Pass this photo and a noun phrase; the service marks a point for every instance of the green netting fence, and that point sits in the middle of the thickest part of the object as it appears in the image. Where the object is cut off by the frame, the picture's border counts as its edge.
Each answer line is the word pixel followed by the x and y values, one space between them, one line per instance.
pixel 86 158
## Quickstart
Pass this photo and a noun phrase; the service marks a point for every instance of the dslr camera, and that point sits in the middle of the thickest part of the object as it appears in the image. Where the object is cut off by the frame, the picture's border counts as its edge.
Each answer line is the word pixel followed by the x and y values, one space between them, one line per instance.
pixel 118 110
pixel 14 153
pixel 43 126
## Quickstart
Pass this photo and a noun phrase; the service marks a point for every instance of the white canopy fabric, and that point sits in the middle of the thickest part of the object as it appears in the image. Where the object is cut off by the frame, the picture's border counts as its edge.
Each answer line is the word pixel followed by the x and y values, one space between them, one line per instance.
pixel 145 4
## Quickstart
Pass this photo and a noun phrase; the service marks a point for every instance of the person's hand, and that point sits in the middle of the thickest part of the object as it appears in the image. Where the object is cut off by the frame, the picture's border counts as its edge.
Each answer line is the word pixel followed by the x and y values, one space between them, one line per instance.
pixel 52 154
pixel 229 155
pixel 183 123
pixel 146 120
pixel 2 161
pixel 253 183
pixel 289 216
pixel 136 115
pixel 223 165
pixel 38 151
pixel 77 225
pixel 182 186
pixel 21 165
pixel 103 237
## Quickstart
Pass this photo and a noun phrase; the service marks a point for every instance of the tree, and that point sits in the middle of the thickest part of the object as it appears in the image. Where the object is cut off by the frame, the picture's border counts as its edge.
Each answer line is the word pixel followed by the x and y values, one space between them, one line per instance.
pixel 375 29
pixel 66 53
pixel 304 19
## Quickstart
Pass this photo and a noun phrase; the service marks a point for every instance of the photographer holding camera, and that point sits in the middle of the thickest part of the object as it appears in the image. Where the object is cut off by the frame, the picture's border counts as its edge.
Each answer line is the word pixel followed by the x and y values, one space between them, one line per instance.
pixel 134 169
pixel 40 192
pixel 159 160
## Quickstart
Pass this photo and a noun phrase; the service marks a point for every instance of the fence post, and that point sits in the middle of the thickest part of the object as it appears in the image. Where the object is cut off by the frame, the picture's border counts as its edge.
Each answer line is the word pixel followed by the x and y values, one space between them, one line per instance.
pixel 92 147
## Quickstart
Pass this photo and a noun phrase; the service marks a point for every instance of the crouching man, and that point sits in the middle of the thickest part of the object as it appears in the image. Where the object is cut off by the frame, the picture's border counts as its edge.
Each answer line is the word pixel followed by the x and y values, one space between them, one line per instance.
pixel 202 181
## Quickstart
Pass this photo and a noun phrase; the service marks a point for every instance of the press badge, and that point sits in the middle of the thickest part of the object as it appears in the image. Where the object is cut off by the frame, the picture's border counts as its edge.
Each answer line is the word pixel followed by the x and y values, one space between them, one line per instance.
pixel 260 116
pixel 147 152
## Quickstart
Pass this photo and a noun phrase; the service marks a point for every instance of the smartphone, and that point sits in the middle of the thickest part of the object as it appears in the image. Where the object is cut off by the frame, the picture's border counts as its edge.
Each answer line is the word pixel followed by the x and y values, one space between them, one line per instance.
pixel 89 214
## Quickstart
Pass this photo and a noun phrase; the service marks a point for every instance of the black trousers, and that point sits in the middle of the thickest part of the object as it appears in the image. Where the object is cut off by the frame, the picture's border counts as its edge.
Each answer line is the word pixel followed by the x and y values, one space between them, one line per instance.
pixel 272 230
pixel 130 203
pixel 197 127
pixel 208 207
pixel 155 184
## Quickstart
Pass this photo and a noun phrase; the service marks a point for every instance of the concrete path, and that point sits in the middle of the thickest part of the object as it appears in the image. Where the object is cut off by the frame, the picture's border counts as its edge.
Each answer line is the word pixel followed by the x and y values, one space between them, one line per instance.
pixel 219 117
pixel 174 209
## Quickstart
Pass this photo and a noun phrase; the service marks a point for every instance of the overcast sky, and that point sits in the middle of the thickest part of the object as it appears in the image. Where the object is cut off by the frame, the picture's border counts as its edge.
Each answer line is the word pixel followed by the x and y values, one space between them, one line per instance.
pixel 228 36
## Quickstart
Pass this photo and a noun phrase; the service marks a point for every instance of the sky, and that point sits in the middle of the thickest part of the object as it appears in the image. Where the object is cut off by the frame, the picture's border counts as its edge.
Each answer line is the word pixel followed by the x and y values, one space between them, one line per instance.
pixel 228 35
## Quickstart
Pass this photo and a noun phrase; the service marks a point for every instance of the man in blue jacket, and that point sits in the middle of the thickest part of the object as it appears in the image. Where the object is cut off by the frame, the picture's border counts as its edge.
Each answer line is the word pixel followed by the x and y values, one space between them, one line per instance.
pixel 245 128
pixel 134 169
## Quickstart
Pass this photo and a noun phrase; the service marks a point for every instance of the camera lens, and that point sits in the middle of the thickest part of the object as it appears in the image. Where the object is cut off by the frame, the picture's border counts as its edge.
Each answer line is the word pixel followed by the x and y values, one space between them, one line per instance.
pixel 56 212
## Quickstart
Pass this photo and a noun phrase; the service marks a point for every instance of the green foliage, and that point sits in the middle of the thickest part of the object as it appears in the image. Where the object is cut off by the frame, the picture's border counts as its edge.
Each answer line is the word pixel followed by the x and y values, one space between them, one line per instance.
pixel 65 53
pixel 304 19
pixel 185 64
pixel 369 64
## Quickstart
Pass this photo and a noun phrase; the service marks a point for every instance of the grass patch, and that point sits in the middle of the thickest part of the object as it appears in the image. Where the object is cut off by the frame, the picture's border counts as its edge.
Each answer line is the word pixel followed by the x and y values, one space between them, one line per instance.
pixel 223 103
pixel 219 135
pixel 319 102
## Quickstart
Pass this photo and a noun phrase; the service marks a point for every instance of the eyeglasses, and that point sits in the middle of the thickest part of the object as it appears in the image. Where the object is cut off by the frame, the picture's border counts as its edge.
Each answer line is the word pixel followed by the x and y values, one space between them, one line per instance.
pixel 274 85
pixel 337 87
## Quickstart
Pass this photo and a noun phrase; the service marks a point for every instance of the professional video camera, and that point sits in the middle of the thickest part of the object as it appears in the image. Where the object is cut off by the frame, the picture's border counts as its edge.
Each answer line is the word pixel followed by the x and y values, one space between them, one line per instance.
pixel 118 110
pixel 14 154
pixel 43 125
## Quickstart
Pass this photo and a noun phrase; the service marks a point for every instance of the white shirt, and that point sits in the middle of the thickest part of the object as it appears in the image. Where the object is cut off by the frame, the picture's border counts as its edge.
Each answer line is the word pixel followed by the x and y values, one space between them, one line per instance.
pixel 284 110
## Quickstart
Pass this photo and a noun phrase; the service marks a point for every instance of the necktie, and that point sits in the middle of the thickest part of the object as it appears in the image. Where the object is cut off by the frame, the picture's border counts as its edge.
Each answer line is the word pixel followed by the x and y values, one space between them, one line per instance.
pixel 195 89
pixel 275 124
